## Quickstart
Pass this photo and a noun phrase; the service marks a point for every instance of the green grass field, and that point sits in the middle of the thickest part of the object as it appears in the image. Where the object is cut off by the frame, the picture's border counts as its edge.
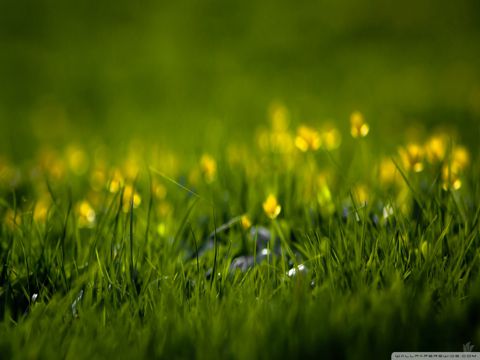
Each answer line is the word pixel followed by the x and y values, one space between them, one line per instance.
pixel 268 180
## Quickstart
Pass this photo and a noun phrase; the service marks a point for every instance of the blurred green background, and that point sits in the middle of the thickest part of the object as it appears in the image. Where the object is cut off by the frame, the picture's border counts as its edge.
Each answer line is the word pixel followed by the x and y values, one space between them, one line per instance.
pixel 187 72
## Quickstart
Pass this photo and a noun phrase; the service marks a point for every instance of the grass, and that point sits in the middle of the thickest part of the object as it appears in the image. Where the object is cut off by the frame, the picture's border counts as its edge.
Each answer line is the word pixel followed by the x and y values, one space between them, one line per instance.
pixel 215 235
pixel 358 254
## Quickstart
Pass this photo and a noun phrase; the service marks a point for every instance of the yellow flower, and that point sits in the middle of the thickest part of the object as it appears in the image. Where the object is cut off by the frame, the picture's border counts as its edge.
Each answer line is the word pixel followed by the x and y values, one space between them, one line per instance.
pixel 40 211
pixel 451 171
pixel 412 157
pixel 208 166
pixel 277 139
pixel 278 117
pixel 460 157
pixel 128 192
pixel 435 148
pixel 331 139
pixel 77 160
pixel 280 142
pixel 116 182
pixel 451 177
pixel 245 221
pixel 131 167
pixel 307 139
pixel 324 198
pixel 361 194
pixel 271 207
pixel 387 172
pixel 86 214
pixel 358 126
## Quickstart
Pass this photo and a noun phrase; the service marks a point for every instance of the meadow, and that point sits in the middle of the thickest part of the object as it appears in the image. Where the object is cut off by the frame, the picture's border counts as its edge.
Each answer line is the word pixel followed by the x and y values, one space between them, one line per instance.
pixel 268 180
pixel 271 251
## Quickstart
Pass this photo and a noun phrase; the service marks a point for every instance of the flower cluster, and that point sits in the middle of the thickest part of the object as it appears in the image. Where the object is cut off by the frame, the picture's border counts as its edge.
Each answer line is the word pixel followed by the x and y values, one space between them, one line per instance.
pixel 299 166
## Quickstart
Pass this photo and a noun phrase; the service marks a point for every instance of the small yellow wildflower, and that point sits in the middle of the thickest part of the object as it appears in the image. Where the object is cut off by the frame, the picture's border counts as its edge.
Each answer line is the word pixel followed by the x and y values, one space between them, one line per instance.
pixel 307 139
pixel 358 126
pixel 387 172
pixel 436 148
pixel 208 166
pixel 116 181
pixel 331 139
pixel 277 139
pixel 451 177
pixel 412 157
pixel 460 157
pixel 77 160
pixel 86 214
pixel 271 207
pixel 246 222
pixel 279 117
pixel 280 142
pixel 361 194
pixel 131 167
pixel 40 211
pixel 451 171
pixel 128 192
pixel 324 198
